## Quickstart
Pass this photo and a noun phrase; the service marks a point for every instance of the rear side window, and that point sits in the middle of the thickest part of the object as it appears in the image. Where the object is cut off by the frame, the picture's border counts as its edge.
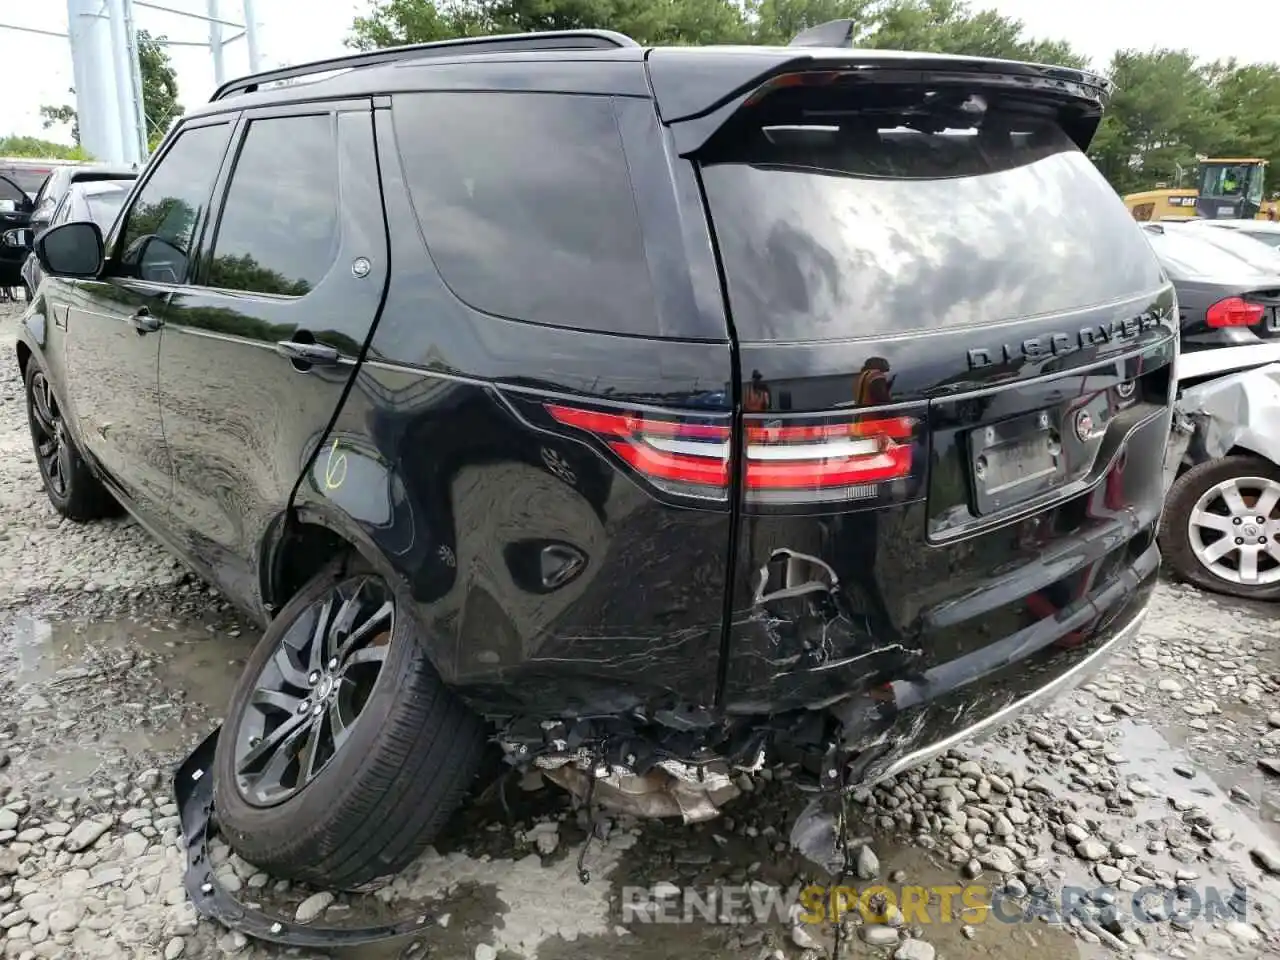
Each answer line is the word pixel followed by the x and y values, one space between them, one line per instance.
pixel 912 210
pixel 527 206
pixel 278 232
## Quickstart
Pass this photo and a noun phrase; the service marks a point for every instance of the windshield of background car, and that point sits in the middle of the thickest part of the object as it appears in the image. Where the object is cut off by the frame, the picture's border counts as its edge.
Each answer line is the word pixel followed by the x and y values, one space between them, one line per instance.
pixel 896 216
pixel 1187 257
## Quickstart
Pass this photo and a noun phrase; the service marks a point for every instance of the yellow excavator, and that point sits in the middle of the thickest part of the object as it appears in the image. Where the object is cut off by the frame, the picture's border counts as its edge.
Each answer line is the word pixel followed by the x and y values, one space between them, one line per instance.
pixel 1229 189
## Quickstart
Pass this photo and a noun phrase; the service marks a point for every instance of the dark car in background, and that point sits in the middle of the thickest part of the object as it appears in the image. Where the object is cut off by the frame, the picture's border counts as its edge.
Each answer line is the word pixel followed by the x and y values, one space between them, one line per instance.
pixel 677 410
pixel 93 199
pixel 16 206
pixel 30 174
pixel 56 185
pixel 1228 285
pixel 16 243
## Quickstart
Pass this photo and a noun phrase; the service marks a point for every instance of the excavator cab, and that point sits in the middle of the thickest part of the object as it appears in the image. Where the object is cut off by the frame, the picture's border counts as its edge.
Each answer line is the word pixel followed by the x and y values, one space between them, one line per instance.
pixel 1231 189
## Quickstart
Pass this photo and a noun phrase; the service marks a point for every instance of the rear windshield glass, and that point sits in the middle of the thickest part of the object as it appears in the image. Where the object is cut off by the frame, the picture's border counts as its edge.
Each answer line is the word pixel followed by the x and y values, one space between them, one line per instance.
pixel 1270 239
pixel 104 205
pixel 919 211
pixel 1188 256
pixel 1243 245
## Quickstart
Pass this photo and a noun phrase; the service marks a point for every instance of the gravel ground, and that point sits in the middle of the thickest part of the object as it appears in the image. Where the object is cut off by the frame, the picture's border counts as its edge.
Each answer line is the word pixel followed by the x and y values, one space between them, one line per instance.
pixel 1162 773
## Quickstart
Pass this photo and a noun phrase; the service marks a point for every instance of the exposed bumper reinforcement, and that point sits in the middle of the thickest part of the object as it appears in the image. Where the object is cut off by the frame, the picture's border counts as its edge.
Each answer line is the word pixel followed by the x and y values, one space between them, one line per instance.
pixel 193 790
pixel 988 725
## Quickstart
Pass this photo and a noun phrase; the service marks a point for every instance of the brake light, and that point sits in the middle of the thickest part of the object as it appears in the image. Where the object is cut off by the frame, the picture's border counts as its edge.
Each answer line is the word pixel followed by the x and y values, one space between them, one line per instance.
pixel 690 457
pixel 832 460
pixel 1234 312
pixel 825 459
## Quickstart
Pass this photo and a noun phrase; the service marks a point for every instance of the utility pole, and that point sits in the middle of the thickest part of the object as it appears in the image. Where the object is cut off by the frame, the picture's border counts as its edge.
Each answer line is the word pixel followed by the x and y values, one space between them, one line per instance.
pixel 133 148
pixel 215 44
pixel 135 77
pixel 251 37
pixel 97 105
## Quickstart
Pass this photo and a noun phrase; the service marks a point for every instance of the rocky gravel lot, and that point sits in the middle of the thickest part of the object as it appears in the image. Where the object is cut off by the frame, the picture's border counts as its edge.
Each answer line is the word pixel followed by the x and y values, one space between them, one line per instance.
pixel 1160 777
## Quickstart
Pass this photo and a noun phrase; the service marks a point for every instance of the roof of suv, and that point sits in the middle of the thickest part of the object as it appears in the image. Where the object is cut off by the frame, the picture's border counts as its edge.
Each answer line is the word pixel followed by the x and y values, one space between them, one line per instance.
pixel 686 81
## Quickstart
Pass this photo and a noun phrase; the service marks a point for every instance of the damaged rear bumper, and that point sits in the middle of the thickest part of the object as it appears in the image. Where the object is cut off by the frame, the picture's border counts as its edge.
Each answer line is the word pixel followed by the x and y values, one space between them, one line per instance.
pixel 1037 699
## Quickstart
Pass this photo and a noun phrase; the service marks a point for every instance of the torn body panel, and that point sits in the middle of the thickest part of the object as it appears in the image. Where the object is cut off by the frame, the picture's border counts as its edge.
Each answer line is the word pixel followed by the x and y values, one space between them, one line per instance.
pixel 1240 411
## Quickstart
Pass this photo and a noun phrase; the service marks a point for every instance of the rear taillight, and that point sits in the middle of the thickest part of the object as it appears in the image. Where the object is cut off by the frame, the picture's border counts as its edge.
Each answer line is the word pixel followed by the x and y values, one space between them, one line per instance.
pixel 826 460
pixel 792 462
pixel 688 457
pixel 1234 312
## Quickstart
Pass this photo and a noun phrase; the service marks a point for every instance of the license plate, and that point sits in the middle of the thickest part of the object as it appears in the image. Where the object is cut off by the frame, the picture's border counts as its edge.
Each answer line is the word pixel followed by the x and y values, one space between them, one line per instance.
pixel 1016 460
pixel 1273 320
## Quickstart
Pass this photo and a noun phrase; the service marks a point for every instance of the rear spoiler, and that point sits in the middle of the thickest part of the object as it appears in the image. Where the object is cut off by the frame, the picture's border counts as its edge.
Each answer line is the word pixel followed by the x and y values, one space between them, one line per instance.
pixel 697 90
pixel 833 33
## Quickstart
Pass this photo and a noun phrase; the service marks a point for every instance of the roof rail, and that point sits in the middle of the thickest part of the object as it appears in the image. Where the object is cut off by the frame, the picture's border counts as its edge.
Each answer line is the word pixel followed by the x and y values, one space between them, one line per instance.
pixel 545 40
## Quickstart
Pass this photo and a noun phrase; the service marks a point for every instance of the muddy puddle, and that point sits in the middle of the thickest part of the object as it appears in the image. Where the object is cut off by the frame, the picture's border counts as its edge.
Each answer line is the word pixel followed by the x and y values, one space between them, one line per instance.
pixel 103 696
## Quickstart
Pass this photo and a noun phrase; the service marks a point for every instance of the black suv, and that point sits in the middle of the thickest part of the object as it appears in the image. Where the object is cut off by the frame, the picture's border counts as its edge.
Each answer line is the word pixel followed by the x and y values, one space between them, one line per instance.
pixel 652 413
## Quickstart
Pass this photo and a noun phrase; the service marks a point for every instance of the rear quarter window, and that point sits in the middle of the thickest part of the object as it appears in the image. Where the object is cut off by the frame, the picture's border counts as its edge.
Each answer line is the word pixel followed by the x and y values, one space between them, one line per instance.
pixel 527 207
pixel 891 220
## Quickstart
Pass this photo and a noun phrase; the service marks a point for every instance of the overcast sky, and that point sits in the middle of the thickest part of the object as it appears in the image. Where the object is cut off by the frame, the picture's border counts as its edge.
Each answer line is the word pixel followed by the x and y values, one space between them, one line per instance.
pixel 293 31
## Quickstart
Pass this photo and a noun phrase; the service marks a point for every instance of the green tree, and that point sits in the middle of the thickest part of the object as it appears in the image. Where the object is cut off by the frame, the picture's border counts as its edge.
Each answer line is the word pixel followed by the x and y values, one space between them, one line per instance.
pixel 159 94
pixel 1163 114
pixel 1167 108
pixel 51 116
pixel 13 146
pixel 391 22
pixel 159 86
pixel 953 26
pixel 1247 98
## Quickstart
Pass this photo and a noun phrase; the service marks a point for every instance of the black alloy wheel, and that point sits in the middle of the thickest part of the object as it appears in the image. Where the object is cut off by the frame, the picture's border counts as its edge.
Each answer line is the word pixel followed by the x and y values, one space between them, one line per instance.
pixel 52 451
pixel 344 752
pixel 312 693
pixel 72 488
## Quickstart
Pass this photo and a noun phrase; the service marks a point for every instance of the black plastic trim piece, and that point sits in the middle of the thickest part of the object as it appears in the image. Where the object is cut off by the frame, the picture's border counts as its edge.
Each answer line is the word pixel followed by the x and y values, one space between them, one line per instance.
pixel 193 791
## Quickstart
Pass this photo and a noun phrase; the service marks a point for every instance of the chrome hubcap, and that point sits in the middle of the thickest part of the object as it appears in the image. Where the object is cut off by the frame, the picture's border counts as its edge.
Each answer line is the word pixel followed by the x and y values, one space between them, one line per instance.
pixel 313 691
pixel 1233 531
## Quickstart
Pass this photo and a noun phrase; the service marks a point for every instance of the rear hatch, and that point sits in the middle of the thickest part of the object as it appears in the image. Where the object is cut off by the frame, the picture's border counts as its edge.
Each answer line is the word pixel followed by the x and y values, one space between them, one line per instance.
pixel 954 347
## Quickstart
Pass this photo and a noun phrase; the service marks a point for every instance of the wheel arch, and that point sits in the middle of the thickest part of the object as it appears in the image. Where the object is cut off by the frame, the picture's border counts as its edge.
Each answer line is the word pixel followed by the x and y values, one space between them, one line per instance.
pixel 24 357
pixel 1248 446
pixel 300 544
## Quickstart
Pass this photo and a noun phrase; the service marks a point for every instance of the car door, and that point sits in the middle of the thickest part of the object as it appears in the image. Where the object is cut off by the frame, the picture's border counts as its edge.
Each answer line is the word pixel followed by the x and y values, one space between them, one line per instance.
pixel 15 212
pixel 114 324
pixel 258 351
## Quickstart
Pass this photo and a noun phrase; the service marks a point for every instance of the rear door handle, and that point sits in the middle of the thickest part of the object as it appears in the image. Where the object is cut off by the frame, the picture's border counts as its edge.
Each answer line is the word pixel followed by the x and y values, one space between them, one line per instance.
pixel 316 354
pixel 144 322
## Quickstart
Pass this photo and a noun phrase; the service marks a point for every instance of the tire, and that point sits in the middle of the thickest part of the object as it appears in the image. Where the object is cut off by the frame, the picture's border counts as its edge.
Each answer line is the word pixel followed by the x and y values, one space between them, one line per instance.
pixel 71 486
pixel 1200 494
pixel 406 762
